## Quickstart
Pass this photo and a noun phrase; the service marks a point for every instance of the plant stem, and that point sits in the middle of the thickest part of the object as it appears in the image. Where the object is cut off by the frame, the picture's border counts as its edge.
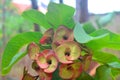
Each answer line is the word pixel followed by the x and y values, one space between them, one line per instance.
pixel 35 6
pixel 85 48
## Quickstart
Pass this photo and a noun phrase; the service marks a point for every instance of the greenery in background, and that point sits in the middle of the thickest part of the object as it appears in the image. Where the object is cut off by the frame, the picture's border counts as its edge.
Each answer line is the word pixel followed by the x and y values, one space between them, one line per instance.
pixel 14 23
pixel 0 36
pixel 86 34
pixel 17 24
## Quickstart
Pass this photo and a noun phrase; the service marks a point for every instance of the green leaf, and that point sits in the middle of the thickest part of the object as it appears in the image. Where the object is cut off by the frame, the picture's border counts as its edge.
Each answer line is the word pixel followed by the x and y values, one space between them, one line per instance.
pixel 100 32
pixel 114 65
pixel 11 55
pixel 103 21
pixel 85 76
pixel 60 14
pixel 88 27
pixel 36 17
pixel 82 37
pixel 112 40
pixel 103 72
pixel 104 58
pixel 115 72
pixel 56 75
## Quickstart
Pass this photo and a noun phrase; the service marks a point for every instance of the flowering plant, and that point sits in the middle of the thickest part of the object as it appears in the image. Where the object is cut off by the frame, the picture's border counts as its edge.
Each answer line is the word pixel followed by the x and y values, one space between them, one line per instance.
pixel 66 50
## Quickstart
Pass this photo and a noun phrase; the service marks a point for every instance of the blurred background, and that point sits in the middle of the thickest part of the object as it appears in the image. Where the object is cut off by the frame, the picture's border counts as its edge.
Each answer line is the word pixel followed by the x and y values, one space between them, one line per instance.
pixel 12 23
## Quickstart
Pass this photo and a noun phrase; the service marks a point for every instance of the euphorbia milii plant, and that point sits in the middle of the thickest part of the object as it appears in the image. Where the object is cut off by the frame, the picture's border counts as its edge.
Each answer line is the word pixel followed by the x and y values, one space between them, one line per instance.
pixel 47 61
pixel 66 50
pixel 33 50
pixel 70 71
pixel 41 73
pixel 47 37
pixel 64 55
pixel 62 34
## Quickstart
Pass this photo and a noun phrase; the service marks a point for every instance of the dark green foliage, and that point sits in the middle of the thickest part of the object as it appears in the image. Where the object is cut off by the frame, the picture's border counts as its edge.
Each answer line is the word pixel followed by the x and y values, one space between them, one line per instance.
pixel 85 76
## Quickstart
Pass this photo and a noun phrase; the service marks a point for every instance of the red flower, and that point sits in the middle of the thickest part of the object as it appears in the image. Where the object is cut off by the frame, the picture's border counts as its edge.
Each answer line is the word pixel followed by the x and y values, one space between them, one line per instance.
pixel 47 61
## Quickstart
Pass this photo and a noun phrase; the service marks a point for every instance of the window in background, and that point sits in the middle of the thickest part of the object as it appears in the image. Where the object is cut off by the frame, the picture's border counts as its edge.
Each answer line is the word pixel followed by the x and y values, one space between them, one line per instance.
pixel 103 6
pixel 94 6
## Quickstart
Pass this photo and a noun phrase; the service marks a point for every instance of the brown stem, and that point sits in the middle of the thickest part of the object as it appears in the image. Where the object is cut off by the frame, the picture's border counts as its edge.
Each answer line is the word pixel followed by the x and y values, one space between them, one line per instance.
pixel 35 6
pixel 36 27
pixel 85 48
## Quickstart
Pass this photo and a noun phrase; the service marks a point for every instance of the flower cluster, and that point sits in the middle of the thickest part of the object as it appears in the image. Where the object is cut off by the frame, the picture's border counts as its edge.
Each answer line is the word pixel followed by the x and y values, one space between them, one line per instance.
pixel 64 54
